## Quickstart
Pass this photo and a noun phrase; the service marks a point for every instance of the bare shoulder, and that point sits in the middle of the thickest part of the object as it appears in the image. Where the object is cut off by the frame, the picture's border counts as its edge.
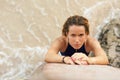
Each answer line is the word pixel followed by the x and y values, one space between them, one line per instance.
pixel 91 39
pixel 93 42
pixel 59 42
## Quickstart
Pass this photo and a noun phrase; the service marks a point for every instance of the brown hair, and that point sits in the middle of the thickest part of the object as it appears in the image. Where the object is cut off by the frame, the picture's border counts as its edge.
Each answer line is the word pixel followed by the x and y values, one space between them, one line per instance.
pixel 75 20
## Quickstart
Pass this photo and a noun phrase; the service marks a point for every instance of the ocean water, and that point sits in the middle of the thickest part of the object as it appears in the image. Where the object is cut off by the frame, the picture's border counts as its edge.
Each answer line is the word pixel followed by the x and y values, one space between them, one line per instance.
pixel 20 63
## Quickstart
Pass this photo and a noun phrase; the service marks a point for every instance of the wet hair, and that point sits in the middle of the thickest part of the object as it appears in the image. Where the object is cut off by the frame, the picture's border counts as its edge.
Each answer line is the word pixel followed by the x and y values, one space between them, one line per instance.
pixel 75 20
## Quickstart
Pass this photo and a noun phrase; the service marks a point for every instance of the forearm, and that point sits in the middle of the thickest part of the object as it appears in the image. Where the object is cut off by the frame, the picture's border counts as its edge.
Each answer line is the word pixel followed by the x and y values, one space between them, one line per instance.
pixel 98 60
pixel 53 58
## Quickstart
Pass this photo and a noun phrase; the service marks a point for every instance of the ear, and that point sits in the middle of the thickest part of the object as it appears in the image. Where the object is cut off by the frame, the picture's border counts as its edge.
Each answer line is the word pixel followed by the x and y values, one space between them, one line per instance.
pixel 66 34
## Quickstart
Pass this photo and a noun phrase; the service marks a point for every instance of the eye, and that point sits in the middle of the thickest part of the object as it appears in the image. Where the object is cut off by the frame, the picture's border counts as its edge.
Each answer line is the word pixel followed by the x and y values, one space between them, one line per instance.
pixel 81 35
pixel 73 35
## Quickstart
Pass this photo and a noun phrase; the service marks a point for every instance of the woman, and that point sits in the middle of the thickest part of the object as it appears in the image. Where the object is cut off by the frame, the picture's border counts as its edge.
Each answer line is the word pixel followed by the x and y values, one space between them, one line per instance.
pixel 75 44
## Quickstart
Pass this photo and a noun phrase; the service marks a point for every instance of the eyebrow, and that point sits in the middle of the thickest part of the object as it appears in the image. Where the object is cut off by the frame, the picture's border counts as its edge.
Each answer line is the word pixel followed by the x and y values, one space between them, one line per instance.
pixel 76 34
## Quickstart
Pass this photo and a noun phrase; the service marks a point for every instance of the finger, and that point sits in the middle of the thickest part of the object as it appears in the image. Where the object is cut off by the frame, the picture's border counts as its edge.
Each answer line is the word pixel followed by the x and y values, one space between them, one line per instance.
pixel 80 58
pixel 78 62
pixel 84 63
pixel 85 59
pixel 72 61
pixel 75 55
pixel 76 58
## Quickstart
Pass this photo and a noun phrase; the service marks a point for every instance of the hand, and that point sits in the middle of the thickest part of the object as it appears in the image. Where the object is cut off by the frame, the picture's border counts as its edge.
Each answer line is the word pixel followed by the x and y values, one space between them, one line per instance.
pixel 68 60
pixel 80 58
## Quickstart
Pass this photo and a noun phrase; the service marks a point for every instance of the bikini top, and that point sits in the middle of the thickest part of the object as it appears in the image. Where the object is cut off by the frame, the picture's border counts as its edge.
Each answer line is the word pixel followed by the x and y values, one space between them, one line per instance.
pixel 70 50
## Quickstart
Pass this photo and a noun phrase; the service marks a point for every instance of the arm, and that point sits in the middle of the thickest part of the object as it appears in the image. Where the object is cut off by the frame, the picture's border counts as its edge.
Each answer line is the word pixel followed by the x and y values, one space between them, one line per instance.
pixel 100 55
pixel 52 54
pixel 94 46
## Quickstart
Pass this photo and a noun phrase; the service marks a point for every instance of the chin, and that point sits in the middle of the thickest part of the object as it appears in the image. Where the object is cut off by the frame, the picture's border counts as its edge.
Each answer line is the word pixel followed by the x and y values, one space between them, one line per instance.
pixel 76 47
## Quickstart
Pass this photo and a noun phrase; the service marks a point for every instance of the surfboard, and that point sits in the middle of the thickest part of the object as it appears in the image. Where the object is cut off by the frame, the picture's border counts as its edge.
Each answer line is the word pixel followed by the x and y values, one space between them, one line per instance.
pixel 59 71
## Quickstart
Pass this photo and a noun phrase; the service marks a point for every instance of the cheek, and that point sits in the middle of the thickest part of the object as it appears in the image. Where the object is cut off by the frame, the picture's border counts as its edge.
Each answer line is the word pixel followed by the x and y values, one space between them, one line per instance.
pixel 71 40
pixel 84 38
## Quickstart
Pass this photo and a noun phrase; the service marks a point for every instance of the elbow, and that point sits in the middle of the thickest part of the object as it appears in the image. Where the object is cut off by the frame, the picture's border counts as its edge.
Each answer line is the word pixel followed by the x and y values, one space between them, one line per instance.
pixel 46 58
pixel 107 61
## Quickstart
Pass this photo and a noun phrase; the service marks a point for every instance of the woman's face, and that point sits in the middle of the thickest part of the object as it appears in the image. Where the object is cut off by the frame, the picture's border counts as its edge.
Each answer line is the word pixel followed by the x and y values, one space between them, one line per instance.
pixel 76 36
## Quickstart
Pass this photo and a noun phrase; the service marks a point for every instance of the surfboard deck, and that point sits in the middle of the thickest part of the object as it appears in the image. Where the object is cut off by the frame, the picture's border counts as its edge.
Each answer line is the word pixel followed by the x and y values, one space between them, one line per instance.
pixel 59 71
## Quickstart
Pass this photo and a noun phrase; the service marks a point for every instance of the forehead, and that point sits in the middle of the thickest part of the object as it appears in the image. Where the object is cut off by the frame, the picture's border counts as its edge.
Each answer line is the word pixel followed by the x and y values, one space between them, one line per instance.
pixel 76 29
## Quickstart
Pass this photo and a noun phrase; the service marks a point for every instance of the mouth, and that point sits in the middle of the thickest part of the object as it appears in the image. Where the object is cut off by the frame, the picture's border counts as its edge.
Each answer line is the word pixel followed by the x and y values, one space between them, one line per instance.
pixel 77 45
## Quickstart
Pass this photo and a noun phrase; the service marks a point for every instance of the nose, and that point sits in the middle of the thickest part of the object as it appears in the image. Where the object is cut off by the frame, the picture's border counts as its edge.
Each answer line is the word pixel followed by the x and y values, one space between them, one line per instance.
pixel 77 39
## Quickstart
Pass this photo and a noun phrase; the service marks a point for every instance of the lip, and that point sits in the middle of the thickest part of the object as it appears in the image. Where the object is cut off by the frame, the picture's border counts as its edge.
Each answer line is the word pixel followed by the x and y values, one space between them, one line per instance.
pixel 77 45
